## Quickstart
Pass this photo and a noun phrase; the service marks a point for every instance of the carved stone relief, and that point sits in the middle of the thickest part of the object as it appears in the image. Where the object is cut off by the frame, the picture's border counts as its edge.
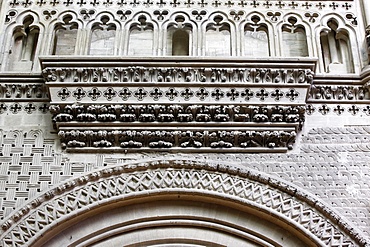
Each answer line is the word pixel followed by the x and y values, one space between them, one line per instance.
pixel 324 167
pixel 187 140
pixel 180 74
pixel 177 113
pixel 261 109
pixel 267 194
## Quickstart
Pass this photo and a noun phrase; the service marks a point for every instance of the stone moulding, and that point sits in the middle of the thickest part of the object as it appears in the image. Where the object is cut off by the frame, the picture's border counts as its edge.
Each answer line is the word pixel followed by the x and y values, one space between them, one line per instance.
pixel 236 139
pixel 338 93
pixel 219 5
pixel 346 89
pixel 196 73
pixel 264 98
pixel 110 185
pixel 23 87
pixel 68 115
pixel 167 93
pixel 177 69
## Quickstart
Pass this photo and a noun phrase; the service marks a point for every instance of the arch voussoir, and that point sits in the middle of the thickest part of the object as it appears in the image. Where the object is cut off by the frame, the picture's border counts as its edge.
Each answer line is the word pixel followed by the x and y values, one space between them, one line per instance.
pixel 272 196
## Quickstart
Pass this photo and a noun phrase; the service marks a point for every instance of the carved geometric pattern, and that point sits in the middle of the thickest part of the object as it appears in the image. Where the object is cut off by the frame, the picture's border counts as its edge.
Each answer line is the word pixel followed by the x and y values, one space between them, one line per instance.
pixel 125 93
pixel 170 94
pixel 78 94
pixel 63 93
pixel 216 4
pixel 95 94
pixel 110 184
pixel 20 107
pixel 348 140
pixel 348 109
pixel 109 93
pixel 30 159
pixel 25 159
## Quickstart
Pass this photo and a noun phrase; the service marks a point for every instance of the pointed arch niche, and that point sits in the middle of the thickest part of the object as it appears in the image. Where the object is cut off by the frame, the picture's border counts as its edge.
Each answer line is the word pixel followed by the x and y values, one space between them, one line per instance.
pixel 336 49
pixel 65 37
pixel 218 37
pixel 294 39
pixel 103 37
pixel 24 45
pixel 179 37
pixel 141 37
pixel 256 38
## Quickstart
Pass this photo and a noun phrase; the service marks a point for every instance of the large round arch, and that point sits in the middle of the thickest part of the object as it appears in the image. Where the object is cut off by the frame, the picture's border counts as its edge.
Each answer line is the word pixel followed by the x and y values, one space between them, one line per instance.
pixel 176 203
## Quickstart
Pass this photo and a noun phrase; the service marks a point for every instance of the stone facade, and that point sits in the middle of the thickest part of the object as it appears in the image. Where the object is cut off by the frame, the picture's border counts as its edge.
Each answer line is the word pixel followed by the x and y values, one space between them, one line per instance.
pixel 184 123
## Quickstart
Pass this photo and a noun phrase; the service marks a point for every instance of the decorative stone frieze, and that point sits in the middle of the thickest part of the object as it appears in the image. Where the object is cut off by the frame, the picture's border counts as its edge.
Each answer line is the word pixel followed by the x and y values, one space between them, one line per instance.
pixel 30 87
pixel 218 4
pixel 138 103
pixel 179 74
pixel 22 107
pixel 137 116
pixel 187 140
pixel 19 91
pixel 338 92
pixel 169 94
pixel 338 109
pixel 94 114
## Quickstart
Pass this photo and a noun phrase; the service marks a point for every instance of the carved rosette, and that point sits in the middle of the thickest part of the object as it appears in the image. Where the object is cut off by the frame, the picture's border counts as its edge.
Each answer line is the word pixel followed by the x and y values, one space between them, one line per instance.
pixel 170 104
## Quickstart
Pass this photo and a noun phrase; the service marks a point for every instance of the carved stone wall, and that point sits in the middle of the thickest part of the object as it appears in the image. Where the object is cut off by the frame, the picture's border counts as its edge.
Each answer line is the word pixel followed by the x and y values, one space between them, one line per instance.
pixel 282 28
pixel 332 165
pixel 282 130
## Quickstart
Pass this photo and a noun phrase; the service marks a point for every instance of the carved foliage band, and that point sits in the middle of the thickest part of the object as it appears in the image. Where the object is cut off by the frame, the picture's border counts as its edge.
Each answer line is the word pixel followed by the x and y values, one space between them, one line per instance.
pixel 23 90
pixel 178 138
pixel 178 113
pixel 180 74
pixel 329 92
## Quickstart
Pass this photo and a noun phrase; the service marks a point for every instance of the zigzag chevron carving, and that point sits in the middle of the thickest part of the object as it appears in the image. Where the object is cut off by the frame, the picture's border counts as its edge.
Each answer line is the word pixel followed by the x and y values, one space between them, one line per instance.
pixel 108 185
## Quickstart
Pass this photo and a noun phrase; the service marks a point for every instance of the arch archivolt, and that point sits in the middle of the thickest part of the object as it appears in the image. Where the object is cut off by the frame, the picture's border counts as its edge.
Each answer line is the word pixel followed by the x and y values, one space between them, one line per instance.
pixel 102 193
pixel 177 218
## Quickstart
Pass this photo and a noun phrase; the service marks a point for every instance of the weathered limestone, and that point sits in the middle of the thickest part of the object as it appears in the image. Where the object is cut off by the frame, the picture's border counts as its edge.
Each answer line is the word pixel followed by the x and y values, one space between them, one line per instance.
pixel 184 123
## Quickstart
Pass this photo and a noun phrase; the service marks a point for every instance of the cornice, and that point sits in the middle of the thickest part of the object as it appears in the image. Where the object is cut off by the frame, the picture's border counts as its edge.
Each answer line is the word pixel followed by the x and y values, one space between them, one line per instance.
pixel 174 103
pixel 181 61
